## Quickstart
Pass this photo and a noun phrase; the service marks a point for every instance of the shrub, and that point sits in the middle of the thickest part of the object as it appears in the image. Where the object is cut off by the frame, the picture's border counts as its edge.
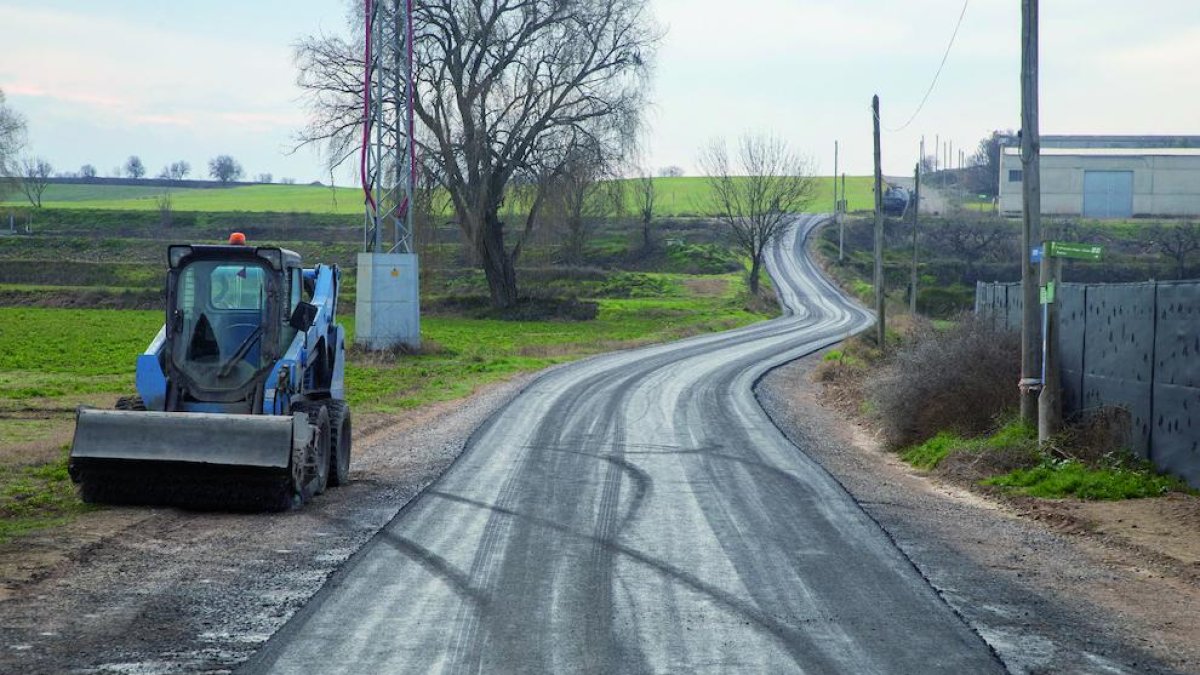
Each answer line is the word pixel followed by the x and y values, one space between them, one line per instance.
pixel 959 380
pixel 945 302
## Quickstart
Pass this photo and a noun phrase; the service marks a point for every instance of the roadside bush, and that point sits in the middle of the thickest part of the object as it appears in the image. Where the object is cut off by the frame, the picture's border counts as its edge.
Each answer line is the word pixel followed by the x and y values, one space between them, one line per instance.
pixel 945 302
pixel 959 380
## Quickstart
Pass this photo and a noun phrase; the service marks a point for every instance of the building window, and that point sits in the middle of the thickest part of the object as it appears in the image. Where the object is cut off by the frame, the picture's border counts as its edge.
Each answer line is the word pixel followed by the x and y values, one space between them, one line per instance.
pixel 1015 176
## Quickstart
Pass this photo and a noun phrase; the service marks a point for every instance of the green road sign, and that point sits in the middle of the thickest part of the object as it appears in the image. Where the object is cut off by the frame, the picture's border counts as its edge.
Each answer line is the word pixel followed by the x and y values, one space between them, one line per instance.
pixel 1047 293
pixel 1058 249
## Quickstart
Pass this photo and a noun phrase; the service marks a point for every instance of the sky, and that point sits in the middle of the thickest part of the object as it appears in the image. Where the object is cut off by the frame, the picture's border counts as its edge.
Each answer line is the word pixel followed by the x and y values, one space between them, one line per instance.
pixel 191 79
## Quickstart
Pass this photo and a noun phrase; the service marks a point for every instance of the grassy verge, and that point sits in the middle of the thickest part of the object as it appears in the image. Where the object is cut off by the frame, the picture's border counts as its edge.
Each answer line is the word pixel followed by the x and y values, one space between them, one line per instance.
pixel 1042 473
pixel 37 497
pixel 1060 478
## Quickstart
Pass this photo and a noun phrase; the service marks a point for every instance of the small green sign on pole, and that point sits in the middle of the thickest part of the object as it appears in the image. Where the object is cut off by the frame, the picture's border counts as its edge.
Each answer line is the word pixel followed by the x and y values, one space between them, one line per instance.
pixel 1047 293
pixel 1058 249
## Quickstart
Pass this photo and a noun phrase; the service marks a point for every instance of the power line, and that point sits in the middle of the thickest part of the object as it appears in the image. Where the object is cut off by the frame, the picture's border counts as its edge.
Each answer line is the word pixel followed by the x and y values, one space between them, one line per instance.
pixel 945 57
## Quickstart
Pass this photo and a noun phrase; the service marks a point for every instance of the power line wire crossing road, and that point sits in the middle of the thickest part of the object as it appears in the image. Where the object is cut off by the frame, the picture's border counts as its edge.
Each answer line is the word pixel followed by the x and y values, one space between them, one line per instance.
pixel 638 512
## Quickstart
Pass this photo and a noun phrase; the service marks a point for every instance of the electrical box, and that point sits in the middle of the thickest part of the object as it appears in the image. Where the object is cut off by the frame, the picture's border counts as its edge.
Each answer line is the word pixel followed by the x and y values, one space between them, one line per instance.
pixel 388 301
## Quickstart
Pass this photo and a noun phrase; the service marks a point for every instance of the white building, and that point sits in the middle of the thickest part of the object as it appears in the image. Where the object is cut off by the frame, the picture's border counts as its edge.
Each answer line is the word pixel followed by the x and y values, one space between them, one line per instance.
pixel 1109 176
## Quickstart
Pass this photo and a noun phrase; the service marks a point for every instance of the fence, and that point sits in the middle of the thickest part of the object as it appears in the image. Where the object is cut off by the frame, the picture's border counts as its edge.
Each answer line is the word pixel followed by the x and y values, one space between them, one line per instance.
pixel 1136 346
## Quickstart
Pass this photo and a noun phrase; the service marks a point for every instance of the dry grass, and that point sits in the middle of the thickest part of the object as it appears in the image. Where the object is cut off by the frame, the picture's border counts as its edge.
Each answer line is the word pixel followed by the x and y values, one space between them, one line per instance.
pixel 706 287
pixel 960 380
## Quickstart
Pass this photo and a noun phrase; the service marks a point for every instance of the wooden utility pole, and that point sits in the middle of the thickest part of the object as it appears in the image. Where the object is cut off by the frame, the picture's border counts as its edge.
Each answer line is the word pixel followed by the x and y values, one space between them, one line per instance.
pixel 881 325
pixel 835 174
pixel 912 298
pixel 837 207
pixel 1032 222
pixel 842 208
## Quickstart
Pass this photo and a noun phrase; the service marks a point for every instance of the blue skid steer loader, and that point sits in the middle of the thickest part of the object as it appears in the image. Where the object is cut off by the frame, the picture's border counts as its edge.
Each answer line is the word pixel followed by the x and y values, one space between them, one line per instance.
pixel 241 402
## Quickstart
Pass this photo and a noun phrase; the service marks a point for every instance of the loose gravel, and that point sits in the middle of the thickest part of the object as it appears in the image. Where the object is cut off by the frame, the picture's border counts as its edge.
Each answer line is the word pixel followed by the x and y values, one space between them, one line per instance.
pixel 168 591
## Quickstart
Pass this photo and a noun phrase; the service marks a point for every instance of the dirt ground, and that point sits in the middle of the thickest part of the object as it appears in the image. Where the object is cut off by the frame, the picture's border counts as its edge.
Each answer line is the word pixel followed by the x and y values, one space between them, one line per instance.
pixel 1053 586
pixel 134 590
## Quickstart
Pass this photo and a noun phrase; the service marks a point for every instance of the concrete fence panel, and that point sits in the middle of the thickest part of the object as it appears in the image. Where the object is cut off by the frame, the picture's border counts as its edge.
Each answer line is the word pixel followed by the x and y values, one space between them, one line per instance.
pixel 1118 354
pixel 1072 331
pixel 1176 424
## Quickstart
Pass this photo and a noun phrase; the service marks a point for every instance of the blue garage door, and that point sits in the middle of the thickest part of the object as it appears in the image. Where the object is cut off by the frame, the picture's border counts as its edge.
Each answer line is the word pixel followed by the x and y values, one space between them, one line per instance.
pixel 1107 194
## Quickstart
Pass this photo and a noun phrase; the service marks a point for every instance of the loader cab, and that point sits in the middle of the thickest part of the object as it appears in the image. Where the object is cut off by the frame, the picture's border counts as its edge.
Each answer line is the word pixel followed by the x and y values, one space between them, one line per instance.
pixel 227 323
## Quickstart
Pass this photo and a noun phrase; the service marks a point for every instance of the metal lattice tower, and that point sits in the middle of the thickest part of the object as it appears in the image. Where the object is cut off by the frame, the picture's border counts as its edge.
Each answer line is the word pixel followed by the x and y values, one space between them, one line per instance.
pixel 389 177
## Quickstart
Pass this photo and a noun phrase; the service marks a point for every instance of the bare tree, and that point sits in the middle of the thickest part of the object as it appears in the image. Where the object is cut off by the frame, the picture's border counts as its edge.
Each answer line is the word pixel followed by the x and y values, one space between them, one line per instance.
pixel 266 178
pixel 177 170
pixel 12 139
pixel 134 167
pixel 576 199
pixel 644 200
pixel 166 212
pixel 1177 241
pixel 970 240
pixel 87 172
pixel 671 171
pixel 757 197
pixel 501 86
pixel 35 178
pixel 224 168
pixel 983 177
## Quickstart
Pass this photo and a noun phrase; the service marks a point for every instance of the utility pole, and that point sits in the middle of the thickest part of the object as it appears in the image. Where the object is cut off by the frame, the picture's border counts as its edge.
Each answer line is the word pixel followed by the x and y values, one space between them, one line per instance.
pixel 1032 221
pixel 835 174
pixel 842 208
pixel 912 299
pixel 837 211
pixel 881 325
pixel 937 150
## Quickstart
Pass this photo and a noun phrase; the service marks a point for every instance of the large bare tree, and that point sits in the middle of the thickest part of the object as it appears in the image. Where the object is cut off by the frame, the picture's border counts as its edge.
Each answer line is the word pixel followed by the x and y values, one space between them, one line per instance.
pixel 502 85
pixel 12 139
pixel 757 192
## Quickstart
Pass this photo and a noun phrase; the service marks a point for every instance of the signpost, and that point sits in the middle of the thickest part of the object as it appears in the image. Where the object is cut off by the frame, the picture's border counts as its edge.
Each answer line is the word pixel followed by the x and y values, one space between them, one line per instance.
pixel 1050 255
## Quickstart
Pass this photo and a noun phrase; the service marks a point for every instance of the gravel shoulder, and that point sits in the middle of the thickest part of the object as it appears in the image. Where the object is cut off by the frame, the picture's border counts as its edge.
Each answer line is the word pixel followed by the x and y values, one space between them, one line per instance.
pixel 125 590
pixel 1049 591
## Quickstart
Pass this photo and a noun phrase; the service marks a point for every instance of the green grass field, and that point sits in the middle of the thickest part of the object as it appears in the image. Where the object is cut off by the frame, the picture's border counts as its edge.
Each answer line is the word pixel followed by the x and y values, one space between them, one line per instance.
pixel 688 196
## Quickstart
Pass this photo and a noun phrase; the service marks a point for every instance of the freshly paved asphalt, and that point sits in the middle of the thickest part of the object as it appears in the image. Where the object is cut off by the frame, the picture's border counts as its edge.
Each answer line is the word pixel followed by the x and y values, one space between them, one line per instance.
pixel 638 512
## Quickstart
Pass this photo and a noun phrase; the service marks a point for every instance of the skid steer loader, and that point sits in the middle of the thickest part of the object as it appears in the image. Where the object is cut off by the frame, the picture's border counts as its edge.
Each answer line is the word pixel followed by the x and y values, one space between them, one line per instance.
pixel 241 400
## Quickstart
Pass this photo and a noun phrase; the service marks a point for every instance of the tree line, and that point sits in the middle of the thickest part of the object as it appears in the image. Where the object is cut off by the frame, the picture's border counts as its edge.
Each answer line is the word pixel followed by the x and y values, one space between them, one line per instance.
pixel 31 175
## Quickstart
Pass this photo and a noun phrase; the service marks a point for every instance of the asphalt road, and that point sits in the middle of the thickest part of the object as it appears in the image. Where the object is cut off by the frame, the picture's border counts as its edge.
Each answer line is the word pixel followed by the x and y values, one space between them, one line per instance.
pixel 639 512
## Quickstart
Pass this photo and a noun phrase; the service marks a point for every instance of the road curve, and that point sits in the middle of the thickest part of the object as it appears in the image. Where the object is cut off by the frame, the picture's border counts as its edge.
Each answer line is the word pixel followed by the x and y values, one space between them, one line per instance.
pixel 638 512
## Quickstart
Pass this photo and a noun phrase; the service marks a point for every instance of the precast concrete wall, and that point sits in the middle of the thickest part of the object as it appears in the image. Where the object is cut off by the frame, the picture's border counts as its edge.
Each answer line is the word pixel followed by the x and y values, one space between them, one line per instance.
pixel 1135 346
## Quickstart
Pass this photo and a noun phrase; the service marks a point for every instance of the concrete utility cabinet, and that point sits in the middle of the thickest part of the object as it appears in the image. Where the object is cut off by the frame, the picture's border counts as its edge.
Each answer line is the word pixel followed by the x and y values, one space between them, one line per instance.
pixel 388 303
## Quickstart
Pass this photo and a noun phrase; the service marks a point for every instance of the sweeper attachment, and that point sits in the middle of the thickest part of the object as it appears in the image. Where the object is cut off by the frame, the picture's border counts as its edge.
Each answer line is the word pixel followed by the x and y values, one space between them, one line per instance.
pixel 241 401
